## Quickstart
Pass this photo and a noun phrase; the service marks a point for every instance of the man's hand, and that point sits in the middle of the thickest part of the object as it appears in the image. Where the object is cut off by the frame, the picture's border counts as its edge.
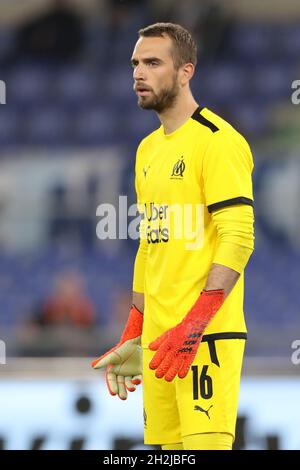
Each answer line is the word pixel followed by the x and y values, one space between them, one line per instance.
pixel 124 361
pixel 177 347
pixel 123 367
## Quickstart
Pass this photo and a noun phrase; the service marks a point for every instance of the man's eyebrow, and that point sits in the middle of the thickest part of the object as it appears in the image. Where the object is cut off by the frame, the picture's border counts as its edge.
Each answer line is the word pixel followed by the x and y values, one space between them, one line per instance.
pixel 147 60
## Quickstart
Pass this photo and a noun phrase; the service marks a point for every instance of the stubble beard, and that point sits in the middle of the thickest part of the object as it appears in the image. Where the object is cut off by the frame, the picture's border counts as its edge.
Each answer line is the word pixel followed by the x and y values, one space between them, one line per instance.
pixel 160 102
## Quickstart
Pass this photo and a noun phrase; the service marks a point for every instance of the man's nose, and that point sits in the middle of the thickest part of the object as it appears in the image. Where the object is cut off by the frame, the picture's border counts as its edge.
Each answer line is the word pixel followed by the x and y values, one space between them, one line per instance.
pixel 138 73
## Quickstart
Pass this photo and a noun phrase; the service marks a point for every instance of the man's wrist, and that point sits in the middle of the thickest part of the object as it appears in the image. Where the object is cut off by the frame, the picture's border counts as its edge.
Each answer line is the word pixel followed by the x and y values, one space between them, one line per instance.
pixel 205 307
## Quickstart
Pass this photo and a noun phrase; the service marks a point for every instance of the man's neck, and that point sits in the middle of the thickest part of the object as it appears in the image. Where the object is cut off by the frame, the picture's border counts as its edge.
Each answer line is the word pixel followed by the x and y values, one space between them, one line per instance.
pixel 175 117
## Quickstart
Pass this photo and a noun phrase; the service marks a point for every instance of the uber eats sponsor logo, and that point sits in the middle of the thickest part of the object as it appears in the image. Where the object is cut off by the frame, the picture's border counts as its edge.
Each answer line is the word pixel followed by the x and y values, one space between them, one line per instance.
pixel 157 215
pixel 151 221
pixel 164 222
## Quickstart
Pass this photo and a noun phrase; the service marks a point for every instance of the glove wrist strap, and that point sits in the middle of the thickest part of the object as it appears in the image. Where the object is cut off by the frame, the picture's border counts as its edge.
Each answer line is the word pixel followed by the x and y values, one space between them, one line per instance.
pixel 134 325
pixel 204 309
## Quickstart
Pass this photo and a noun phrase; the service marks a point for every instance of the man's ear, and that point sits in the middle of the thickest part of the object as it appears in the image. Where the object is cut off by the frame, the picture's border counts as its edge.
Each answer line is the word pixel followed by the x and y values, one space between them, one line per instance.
pixel 187 72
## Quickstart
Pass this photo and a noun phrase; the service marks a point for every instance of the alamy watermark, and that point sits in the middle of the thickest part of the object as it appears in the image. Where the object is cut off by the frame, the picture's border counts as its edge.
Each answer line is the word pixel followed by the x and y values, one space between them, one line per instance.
pixel 295 358
pixel 157 223
pixel 2 92
pixel 2 352
pixel 295 98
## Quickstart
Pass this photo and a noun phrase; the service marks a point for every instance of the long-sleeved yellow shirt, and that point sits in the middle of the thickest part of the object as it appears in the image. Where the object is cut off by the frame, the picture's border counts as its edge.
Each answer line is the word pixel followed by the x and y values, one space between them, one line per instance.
pixel 195 195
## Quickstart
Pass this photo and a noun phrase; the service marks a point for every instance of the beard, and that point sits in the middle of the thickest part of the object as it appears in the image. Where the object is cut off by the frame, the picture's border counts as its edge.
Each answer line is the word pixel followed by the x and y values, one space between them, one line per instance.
pixel 161 101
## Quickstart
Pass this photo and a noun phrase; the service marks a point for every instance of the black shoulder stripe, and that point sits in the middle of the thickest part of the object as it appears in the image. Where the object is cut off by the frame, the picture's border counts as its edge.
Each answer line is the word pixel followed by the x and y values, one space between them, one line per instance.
pixel 202 120
pixel 230 202
pixel 228 335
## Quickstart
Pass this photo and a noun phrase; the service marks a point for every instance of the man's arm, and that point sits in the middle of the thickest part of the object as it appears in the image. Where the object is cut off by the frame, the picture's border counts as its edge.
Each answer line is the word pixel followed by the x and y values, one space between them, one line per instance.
pixel 221 277
pixel 138 300
pixel 236 243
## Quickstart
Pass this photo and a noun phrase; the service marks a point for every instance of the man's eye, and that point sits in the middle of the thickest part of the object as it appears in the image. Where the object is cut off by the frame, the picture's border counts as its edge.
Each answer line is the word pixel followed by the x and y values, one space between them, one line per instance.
pixel 153 63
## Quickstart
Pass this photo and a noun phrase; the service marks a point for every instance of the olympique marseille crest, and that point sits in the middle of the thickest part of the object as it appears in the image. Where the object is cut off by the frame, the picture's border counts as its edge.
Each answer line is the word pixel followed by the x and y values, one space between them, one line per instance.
pixel 178 169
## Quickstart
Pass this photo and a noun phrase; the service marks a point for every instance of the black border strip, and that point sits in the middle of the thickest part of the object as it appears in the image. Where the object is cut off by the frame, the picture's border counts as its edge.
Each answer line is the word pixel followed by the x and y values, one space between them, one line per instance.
pixel 150 456
pixel 202 120
pixel 213 353
pixel 230 202
pixel 229 335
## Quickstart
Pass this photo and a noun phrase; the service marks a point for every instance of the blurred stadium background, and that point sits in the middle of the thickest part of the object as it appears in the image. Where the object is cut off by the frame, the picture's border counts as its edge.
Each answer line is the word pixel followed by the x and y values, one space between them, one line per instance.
pixel 68 135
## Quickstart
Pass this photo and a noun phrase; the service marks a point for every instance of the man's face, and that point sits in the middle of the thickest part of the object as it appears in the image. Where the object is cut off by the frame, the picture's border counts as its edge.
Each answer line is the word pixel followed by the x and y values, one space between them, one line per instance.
pixel 155 77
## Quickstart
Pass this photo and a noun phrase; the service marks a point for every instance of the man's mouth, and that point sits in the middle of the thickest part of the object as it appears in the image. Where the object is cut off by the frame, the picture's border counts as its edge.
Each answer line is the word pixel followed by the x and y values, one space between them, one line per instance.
pixel 142 91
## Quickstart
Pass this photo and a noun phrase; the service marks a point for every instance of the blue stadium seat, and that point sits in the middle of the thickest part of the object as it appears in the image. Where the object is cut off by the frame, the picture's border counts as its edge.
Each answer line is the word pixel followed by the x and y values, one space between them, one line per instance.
pixel 48 126
pixel 289 42
pixel 96 41
pixel 76 84
pixel 119 84
pixel 95 126
pixel 29 84
pixel 271 82
pixel 139 123
pixel 7 42
pixel 252 42
pixel 9 126
pixel 276 301
pixel 249 118
pixel 121 51
pixel 222 82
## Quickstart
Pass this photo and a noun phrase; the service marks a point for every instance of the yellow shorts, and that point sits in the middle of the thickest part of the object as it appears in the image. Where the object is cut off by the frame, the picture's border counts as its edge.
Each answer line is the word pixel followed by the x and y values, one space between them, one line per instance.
pixel 205 401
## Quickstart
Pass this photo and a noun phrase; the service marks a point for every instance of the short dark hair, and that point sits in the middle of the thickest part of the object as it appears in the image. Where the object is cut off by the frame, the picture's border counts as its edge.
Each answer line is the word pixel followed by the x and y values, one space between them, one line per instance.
pixel 184 47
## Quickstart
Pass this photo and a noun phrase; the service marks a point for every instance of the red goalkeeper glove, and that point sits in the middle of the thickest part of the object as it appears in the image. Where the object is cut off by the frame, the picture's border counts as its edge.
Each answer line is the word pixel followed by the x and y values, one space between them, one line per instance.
pixel 124 361
pixel 177 347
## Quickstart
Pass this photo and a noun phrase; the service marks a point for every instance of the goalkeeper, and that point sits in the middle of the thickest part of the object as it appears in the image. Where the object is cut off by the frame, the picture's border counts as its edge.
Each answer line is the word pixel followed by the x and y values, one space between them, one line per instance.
pixel 186 330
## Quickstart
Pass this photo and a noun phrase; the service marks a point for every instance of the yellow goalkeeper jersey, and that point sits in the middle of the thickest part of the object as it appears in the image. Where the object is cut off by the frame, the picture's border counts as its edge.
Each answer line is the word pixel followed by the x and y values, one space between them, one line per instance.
pixel 181 178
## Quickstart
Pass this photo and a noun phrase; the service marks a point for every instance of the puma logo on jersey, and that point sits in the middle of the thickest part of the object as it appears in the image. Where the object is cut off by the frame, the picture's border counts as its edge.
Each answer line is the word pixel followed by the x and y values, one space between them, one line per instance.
pixel 198 408
pixel 145 169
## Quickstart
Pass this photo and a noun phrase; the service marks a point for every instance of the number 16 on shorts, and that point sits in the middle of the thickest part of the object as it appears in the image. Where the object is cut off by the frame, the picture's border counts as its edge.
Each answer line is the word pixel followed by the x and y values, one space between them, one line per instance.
pixel 202 383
